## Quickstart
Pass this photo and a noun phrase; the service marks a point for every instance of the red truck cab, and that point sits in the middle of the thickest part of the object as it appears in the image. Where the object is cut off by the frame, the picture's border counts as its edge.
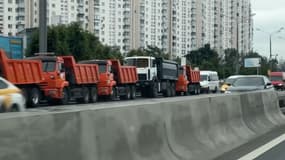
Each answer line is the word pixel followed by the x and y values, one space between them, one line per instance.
pixel 188 81
pixel 54 76
pixel 115 80
pixel 278 80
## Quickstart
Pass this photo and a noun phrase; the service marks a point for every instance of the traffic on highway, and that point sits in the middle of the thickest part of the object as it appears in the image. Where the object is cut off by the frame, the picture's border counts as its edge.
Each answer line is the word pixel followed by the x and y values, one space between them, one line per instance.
pixel 55 80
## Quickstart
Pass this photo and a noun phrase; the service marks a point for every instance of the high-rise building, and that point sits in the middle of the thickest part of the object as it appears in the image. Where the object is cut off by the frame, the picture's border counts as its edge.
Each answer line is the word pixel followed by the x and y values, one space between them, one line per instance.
pixel 175 26
pixel 16 15
pixel 113 21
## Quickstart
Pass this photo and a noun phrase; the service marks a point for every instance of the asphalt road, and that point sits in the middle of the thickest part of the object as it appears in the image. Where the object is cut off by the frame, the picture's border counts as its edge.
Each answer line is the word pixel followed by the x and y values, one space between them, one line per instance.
pixel 276 153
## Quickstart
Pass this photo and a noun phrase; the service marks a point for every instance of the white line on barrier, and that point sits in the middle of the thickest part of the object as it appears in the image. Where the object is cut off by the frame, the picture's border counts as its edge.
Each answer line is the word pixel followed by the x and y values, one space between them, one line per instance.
pixel 259 151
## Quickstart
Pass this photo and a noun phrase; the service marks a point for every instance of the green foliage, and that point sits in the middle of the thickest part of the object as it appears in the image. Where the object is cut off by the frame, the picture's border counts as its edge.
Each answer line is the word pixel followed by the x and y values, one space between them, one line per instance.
pixel 205 58
pixel 149 51
pixel 73 40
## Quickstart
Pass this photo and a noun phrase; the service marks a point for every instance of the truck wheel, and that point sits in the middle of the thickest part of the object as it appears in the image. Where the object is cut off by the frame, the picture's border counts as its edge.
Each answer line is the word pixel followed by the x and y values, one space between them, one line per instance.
pixel 198 90
pixel 153 90
pixel 113 95
pixel 127 94
pixel 93 95
pixel 173 90
pixel 143 92
pixel 34 97
pixel 216 90
pixel 65 97
pixel 133 92
pixel 85 96
pixel 167 91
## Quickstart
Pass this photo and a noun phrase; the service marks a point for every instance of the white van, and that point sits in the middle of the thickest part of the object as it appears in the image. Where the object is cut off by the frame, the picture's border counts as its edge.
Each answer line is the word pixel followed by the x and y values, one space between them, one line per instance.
pixel 209 81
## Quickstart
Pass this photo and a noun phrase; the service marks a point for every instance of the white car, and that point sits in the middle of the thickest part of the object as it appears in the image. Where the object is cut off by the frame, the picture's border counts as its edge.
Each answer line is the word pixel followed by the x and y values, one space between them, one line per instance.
pixel 11 98
pixel 209 81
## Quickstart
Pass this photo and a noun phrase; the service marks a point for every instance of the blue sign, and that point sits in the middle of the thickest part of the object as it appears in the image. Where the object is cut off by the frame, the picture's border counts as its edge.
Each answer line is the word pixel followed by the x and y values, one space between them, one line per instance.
pixel 13 46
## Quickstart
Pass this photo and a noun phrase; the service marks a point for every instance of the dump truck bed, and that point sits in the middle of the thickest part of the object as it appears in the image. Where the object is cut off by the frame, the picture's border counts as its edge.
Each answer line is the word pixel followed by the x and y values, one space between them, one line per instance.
pixel 124 74
pixel 192 75
pixel 20 72
pixel 80 73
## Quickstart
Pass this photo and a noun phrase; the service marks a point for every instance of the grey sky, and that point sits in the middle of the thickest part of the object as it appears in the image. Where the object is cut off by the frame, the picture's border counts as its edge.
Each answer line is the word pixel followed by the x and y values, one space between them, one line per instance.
pixel 270 16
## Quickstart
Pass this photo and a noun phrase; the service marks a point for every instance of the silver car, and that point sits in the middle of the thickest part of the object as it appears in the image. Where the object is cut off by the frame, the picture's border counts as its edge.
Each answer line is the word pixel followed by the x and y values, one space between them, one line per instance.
pixel 250 83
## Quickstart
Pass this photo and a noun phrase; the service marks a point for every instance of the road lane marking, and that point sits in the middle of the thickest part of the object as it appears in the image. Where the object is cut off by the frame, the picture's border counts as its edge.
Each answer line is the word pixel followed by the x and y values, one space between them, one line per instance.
pixel 266 147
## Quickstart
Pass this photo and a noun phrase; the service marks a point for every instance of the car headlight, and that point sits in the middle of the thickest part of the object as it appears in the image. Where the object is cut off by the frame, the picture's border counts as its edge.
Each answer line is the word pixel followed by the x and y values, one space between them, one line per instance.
pixel 280 84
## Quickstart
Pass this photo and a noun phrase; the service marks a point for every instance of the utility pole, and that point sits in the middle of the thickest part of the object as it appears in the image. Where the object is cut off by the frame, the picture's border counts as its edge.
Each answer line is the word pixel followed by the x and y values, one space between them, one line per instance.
pixel 43 26
pixel 237 57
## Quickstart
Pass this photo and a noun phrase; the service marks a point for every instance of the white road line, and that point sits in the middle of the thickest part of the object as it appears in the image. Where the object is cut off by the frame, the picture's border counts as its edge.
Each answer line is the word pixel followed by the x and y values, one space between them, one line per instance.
pixel 259 151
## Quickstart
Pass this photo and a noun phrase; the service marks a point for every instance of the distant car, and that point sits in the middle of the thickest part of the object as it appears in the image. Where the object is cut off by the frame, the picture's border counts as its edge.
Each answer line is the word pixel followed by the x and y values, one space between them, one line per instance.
pixel 250 83
pixel 228 82
pixel 209 81
pixel 11 98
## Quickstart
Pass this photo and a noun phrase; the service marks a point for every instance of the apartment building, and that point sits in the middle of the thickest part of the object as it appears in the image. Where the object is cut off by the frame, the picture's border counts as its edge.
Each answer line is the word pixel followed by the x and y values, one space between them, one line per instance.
pixel 16 15
pixel 113 21
pixel 175 26
pixel 12 15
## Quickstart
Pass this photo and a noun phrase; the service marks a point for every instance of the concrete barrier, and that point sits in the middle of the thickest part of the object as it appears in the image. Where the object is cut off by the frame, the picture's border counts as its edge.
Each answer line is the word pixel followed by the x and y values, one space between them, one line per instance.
pixel 167 129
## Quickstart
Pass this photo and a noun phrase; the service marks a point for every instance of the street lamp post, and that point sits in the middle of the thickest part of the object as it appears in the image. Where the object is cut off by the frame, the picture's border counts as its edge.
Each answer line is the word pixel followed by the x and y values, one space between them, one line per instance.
pixel 270 43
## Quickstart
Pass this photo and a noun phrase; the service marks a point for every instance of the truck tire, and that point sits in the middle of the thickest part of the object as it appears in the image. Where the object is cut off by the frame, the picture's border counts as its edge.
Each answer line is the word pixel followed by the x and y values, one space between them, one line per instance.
pixel 85 96
pixel 153 90
pixel 143 92
pixel 173 89
pixel 167 92
pixel 34 97
pixel 198 89
pixel 127 94
pixel 133 92
pixel 93 95
pixel 65 98
pixel 113 95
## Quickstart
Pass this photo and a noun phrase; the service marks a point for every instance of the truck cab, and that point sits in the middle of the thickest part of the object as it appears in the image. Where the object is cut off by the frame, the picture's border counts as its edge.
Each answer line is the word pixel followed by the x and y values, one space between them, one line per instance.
pixel 278 80
pixel 155 75
pixel 54 75
pixel 146 67
pixel 107 82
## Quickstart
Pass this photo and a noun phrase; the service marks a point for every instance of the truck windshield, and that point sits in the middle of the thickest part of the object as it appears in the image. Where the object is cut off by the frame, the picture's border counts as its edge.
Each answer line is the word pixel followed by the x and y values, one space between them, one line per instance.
pixel 204 77
pixel 48 66
pixel 276 78
pixel 102 68
pixel 140 63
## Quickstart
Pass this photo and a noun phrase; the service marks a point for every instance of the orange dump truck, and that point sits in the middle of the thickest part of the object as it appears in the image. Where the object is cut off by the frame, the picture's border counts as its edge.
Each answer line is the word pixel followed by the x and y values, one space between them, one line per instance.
pixel 115 80
pixel 188 81
pixel 64 79
pixel 26 74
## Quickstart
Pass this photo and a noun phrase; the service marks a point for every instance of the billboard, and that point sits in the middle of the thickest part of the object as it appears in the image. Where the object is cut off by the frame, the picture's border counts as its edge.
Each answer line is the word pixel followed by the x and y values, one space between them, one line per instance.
pixel 252 62
pixel 13 46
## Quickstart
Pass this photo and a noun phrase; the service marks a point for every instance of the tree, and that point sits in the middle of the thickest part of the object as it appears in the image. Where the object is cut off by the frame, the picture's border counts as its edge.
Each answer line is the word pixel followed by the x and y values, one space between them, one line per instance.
pixel 204 58
pixel 73 40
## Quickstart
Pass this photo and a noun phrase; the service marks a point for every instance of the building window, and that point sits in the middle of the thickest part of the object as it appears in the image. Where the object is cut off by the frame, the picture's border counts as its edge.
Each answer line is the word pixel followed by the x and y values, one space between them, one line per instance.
pixel 10 1
pixel 9 9
pixel 10 25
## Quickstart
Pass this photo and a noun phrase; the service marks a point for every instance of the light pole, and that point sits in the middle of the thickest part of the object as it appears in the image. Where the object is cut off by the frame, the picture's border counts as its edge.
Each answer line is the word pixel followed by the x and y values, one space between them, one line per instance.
pixel 237 40
pixel 270 42
pixel 43 26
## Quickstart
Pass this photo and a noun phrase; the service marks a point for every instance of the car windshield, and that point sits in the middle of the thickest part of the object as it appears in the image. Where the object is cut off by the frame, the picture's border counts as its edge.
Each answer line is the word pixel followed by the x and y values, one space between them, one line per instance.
pixel 140 63
pixel 276 78
pixel 48 66
pixel 249 81
pixel 230 80
pixel 204 77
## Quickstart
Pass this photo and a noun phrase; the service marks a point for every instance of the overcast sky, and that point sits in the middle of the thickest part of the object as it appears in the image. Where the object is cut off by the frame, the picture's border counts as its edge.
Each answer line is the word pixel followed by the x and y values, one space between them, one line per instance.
pixel 270 16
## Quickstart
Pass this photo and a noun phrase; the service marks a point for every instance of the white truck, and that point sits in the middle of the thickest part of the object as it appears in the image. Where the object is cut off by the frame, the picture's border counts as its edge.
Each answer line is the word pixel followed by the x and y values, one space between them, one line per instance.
pixel 156 75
